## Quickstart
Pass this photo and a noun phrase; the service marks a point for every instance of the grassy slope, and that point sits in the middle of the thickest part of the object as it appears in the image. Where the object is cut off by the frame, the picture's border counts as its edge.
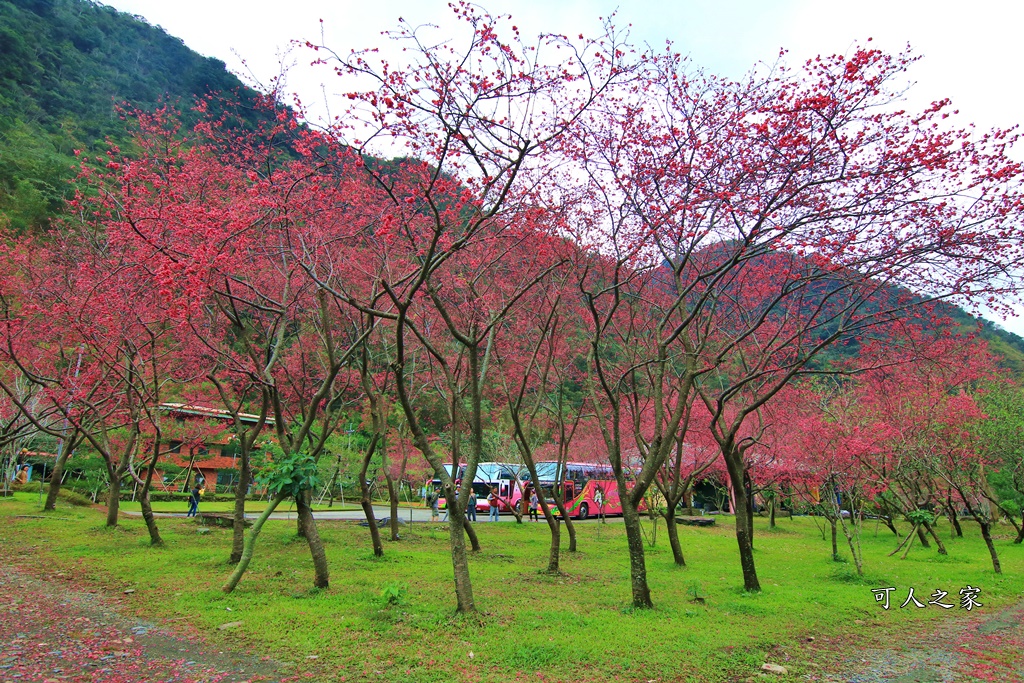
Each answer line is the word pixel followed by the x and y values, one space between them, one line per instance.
pixel 572 627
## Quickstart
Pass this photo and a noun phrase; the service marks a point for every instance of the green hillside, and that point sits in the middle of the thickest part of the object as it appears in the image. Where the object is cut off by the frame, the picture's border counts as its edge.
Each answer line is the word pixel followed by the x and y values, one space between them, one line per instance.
pixel 65 66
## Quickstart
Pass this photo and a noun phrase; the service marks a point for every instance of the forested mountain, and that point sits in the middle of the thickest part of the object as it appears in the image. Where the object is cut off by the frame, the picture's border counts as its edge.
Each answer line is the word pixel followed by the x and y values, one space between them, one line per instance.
pixel 65 67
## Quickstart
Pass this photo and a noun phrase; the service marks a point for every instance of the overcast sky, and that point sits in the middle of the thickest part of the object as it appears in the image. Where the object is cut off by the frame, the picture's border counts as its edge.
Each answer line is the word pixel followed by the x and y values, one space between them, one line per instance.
pixel 970 50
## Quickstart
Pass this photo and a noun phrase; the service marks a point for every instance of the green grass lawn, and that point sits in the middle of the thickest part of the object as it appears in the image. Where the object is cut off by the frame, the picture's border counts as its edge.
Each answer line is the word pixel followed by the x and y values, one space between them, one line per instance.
pixel 572 627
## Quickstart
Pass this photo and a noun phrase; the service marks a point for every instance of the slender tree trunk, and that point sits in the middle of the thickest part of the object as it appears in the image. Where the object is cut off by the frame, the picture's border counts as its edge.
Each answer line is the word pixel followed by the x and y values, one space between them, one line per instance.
pixel 393 498
pixel 744 539
pixel 835 547
pixel 672 528
pixel 316 546
pixel 951 513
pixel 300 528
pixel 144 501
pixel 334 481
pixel 922 537
pixel 250 543
pixel 637 562
pixel 955 521
pixel 987 535
pixel 908 541
pixel 366 502
pixel 56 476
pixel 854 547
pixel 771 513
pixel 460 564
pixel 554 551
pixel 749 511
pixel 938 541
pixel 113 498
pixel 1020 534
pixel 569 526
pixel 238 520
pixel 474 542
pixel 892 527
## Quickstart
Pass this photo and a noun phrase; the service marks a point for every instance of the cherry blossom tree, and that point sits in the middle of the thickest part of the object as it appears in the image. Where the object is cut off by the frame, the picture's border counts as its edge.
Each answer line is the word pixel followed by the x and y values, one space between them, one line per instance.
pixel 781 214
pixel 475 118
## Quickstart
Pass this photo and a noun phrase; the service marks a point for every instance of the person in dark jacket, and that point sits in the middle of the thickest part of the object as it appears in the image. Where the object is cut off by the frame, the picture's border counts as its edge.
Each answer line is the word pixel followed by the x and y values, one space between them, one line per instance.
pixel 193 501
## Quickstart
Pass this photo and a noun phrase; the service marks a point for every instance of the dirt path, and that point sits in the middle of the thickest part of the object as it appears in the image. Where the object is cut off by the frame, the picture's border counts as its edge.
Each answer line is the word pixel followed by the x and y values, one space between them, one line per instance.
pixel 981 647
pixel 51 633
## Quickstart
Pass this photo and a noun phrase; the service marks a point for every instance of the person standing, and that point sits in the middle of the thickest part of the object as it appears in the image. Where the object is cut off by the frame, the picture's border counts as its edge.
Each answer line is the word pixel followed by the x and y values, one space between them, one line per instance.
pixel 432 497
pixel 534 504
pixel 471 506
pixel 193 501
pixel 599 499
pixel 492 500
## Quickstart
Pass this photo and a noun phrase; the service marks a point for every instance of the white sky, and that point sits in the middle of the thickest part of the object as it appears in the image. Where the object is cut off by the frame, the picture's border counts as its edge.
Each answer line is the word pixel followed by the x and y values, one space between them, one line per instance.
pixel 970 49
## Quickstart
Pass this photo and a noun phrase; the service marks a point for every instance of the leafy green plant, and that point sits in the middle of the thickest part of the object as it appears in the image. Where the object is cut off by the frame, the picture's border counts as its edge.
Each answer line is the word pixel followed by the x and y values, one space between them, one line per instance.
pixel 289 475
pixel 393 594
pixel 920 517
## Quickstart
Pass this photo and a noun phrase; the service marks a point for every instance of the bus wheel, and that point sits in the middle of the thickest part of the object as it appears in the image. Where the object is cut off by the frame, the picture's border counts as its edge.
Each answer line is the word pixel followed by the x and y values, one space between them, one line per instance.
pixel 584 511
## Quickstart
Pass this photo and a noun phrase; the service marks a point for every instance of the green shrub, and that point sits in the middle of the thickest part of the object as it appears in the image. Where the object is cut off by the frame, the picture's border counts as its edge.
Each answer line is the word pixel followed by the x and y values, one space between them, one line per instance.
pixel 73 497
pixel 392 594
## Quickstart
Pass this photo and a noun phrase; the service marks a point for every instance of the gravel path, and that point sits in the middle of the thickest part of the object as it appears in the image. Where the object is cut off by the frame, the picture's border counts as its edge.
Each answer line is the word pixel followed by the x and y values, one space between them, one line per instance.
pixel 982 647
pixel 51 632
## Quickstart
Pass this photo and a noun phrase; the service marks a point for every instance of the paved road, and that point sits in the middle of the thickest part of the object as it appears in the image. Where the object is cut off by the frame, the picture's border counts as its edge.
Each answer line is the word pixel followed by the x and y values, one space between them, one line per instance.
pixel 379 511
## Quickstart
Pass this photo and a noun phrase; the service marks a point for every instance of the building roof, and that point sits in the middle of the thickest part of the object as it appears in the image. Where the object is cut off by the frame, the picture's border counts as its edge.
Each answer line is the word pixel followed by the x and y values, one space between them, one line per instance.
pixel 206 411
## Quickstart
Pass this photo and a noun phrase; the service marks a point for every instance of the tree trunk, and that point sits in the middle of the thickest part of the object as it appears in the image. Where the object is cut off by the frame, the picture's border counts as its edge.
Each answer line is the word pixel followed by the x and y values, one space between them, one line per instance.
pixel 744 539
pixel 749 509
pixel 300 528
pixel 474 542
pixel 938 541
pixel 908 541
pixel 316 546
pixel 393 498
pixel 771 513
pixel 460 565
pixel 364 500
pixel 892 527
pixel 957 528
pixel 554 551
pixel 987 535
pixel 854 548
pixel 238 521
pixel 250 544
pixel 569 526
pixel 113 498
pixel 56 475
pixel 637 563
pixel 334 482
pixel 672 528
pixel 835 547
pixel 1020 534
pixel 922 537
pixel 144 502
